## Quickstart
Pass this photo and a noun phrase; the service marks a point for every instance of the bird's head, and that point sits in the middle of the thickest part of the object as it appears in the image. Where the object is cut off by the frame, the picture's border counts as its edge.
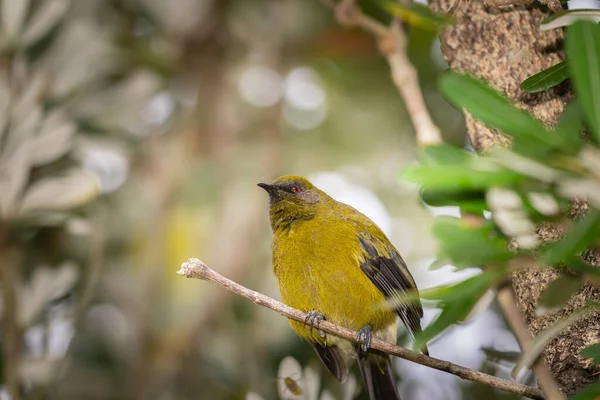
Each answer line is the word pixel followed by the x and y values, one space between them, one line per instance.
pixel 292 198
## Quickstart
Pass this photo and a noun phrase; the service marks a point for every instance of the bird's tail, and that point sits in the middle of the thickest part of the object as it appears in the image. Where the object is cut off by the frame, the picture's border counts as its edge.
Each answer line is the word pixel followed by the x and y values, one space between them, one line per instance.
pixel 378 376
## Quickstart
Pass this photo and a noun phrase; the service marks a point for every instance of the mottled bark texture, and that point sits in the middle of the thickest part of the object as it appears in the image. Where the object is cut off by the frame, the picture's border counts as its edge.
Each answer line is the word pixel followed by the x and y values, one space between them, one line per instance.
pixel 504 47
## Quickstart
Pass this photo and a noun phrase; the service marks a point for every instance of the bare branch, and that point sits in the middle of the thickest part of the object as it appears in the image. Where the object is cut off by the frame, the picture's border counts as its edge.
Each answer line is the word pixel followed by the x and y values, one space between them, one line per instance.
pixel 392 44
pixel 194 268
pixel 506 299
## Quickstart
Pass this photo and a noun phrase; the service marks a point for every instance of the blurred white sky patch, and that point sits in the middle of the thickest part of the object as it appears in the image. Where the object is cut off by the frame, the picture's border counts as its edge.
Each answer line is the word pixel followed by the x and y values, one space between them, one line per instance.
pixel 260 86
pixel 359 197
pixel 305 99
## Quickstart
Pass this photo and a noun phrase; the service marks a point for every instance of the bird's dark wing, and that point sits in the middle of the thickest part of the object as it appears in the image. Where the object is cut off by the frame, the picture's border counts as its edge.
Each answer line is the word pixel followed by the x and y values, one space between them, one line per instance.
pixel 333 359
pixel 389 273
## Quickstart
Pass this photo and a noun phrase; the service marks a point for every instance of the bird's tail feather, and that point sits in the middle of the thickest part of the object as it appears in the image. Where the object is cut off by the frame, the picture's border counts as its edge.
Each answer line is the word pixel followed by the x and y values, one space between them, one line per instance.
pixel 378 376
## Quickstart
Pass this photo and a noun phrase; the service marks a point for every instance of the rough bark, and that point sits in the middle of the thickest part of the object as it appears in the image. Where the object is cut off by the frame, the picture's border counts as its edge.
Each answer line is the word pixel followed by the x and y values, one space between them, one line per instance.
pixel 504 47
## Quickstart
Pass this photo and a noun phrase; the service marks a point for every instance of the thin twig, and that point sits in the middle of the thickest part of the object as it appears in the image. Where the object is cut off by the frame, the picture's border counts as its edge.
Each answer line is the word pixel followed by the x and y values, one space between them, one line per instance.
pixel 194 268
pixel 392 44
pixel 508 303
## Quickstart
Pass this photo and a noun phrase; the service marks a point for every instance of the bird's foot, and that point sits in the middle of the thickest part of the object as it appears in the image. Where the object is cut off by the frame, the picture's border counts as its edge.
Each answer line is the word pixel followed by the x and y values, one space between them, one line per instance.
pixel 314 319
pixel 364 338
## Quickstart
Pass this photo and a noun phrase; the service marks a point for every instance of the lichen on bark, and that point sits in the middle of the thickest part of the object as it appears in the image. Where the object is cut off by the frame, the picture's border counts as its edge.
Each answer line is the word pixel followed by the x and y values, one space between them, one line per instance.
pixel 503 47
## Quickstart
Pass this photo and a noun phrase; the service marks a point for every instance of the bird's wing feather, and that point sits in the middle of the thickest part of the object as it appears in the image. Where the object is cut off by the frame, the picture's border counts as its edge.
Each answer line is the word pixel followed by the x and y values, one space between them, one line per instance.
pixel 390 275
pixel 333 359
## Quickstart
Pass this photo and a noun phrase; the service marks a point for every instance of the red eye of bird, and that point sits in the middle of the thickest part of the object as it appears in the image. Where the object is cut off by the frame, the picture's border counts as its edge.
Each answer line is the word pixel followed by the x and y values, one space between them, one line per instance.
pixel 296 189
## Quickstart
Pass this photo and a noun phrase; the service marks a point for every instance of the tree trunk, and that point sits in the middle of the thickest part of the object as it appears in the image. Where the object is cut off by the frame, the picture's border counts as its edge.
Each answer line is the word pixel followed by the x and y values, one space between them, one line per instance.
pixel 504 47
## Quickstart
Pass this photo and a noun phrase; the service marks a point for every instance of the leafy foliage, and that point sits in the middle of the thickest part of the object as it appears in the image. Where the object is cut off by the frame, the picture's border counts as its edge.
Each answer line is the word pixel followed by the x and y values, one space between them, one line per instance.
pixel 546 79
pixel 533 182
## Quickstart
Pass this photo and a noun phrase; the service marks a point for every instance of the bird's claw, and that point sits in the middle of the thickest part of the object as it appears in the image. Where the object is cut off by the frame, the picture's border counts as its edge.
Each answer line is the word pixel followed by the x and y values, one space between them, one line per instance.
pixel 314 319
pixel 364 338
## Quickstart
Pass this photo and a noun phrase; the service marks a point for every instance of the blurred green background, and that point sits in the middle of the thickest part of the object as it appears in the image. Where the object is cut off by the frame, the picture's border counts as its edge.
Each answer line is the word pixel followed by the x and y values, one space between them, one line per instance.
pixel 133 133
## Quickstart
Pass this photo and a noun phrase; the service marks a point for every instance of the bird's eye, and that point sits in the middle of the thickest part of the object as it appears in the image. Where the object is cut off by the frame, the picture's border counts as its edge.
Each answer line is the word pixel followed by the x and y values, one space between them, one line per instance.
pixel 296 189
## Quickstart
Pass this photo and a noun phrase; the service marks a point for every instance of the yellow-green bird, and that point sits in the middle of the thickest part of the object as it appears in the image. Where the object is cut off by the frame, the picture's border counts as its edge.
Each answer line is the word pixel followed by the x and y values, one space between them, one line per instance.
pixel 334 263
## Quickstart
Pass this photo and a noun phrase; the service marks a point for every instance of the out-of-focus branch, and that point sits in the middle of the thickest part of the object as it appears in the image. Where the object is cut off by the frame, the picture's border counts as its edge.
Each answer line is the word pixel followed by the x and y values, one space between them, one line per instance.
pixel 194 268
pixel 392 44
pixel 508 303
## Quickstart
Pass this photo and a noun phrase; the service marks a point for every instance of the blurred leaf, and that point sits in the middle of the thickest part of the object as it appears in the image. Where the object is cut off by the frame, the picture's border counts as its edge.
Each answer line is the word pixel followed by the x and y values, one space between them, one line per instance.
pixel 468 246
pixel 494 110
pixel 73 189
pixel 585 231
pixel 469 201
pixel 583 52
pixel 583 188
pixel 559 291
pixel 540 342
pixel 444 154
pixel 418 15
pixel 456 302
pixel 14 172
pixel 472 176
pixel 39 371
pixel 53 140
pixel 590 392
pixel 5 102
pixel 13 17
pixel 253 396
pixel 45 285
pixel 546 79
pixel 593 352
pixel 46 16
pixel 568 17
pixel 570 126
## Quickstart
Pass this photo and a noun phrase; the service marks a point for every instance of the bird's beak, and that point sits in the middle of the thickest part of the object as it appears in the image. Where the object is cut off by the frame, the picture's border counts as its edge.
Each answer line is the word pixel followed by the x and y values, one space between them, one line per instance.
pixel 268 187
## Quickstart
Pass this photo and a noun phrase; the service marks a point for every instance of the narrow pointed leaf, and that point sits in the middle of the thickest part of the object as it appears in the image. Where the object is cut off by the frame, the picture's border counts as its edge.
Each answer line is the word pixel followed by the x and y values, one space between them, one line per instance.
pixel 418 15
pixel 546 79
pixel 568 17
pixel 559 291
pixel 493 109
pixel 583 52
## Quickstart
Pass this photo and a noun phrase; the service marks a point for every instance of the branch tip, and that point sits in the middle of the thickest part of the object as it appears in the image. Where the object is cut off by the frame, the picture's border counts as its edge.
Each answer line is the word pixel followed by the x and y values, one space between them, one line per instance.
pixel 193 266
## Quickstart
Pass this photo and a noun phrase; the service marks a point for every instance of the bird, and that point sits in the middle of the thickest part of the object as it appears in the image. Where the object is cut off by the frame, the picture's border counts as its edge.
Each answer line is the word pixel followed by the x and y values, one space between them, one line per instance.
pixel 334 263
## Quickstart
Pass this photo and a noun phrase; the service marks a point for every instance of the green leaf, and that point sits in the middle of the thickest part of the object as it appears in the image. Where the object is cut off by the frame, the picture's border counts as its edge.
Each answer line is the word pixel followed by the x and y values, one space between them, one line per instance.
pixel 584 232
pixel 444 154
pixel 461 177
pixel 583 52
pixel 568 17
pixel 540 342
pixel 493 109
pixel 546 79
pixel 456 302
pixel 570 126
pixel 590 392
pixel 592 352
pixel 559 291
pixel 469 201
pixel 418 15
pixel 468 246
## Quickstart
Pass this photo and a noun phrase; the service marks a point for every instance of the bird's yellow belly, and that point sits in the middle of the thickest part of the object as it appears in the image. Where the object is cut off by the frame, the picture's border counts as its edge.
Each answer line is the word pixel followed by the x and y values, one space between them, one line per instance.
pixel 349 300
